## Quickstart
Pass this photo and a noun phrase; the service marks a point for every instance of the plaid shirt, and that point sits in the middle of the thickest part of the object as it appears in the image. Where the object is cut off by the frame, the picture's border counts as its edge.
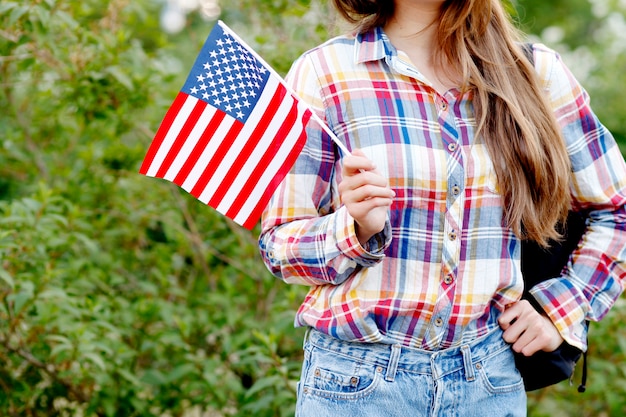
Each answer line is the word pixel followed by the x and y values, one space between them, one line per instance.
pixel 445 267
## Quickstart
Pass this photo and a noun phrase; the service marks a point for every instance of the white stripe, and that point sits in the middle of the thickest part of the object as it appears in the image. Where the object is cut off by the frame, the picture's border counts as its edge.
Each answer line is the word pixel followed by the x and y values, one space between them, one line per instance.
pixel 272 169
pixel 250 164
pixel 190 142
pixel 171 135
pixel 207 154
pixel 242 138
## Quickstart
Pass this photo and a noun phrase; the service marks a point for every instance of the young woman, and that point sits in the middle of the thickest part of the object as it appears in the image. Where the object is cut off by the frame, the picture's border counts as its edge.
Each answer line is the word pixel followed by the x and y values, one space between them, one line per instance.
pixel 460 149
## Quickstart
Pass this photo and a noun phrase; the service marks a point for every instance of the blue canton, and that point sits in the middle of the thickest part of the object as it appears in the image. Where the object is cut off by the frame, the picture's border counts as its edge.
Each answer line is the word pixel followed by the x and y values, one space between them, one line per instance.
pixel 227 76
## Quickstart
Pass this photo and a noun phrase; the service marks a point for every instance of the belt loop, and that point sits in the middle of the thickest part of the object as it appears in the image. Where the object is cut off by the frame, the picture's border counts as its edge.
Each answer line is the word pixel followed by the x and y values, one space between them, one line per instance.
pixel 394 358
pixel 467 363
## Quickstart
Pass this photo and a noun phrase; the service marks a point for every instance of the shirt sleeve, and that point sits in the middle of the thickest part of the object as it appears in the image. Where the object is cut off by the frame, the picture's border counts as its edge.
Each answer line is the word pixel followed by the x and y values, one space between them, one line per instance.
pixel 596 272
pixel 307 237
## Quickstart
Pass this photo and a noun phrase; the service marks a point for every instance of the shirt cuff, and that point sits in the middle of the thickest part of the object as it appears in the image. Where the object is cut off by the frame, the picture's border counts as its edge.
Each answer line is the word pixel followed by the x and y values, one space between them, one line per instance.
pixel 565 305
pixel 348 243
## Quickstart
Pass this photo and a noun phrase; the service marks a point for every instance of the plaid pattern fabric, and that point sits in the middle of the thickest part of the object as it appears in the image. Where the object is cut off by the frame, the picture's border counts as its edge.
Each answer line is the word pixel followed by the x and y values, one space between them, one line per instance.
pixel 444 267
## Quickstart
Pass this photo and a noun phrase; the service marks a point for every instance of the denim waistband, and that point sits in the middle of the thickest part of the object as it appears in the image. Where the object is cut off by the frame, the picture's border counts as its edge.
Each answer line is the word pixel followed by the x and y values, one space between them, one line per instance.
pixel 394 357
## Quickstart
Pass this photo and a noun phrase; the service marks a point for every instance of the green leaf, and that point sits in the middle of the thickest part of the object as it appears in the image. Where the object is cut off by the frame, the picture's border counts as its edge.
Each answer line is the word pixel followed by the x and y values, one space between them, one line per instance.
pixel 128 376
pixel 96 359
pixel 58 339
pixel 52 293
pixel 6 6
pixel 154 377
pixel 265 383
pixel 19 300
pixel 41 14
pixel 62 347
pixel 120 76
pixel 7 278
pixel 179 372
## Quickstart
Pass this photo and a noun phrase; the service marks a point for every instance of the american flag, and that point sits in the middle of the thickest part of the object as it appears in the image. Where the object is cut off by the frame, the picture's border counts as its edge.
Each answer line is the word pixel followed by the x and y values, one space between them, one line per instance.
pixel 232 133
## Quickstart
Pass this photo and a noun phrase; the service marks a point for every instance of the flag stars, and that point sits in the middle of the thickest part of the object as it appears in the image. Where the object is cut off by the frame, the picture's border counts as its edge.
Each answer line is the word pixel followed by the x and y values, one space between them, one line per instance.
pixel 229 77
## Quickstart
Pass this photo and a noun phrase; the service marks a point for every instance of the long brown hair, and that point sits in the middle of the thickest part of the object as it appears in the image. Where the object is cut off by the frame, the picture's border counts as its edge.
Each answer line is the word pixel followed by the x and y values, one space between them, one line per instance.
pixel 514 117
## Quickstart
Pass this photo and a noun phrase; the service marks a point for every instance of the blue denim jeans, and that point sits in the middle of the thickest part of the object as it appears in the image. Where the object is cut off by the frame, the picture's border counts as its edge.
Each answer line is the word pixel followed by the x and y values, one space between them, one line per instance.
pixel 340 378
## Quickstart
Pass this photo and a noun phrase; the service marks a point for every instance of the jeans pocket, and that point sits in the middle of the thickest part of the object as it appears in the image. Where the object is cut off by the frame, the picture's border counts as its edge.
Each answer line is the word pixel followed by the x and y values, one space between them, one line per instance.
pixel 499 374
pixel 330 375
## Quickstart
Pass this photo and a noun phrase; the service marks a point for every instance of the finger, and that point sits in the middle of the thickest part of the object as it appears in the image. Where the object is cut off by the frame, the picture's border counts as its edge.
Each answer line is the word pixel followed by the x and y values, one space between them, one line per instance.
pixel 366 201
pixel 367 183
pixel 529 347
pixel 510 316
pixel 357 161
pixel 522 343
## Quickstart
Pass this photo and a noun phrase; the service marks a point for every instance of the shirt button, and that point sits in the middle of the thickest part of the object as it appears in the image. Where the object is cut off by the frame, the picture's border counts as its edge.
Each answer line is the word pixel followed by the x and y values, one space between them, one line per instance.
pixel 452 236
pixel 444 105
pixel 448 279
pixel 438 322
pixel 456 190
pixel 452 147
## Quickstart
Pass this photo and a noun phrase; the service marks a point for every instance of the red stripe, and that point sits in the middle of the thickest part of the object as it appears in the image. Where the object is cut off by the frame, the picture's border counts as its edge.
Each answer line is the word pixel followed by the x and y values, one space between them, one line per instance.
pixel 255 214
pixel 212 165
pixel 203 142
pixel 184 133
pixel 262 164
pixel 246 151
pixel 166 124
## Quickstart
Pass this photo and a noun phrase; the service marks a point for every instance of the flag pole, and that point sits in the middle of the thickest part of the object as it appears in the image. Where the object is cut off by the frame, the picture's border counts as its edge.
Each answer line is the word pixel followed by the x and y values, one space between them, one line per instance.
pixel 314 115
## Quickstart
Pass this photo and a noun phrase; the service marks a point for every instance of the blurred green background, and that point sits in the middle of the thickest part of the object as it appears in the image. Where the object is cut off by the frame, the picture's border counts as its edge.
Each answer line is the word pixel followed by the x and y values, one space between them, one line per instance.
pixel 122 295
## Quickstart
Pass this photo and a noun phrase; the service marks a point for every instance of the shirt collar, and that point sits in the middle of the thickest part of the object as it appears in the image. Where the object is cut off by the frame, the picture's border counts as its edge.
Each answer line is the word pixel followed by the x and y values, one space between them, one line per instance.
pixel 373 45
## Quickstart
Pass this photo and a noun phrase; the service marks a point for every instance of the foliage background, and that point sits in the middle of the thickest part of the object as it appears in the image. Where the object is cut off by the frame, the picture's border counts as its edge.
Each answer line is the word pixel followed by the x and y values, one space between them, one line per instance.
pixel 121 295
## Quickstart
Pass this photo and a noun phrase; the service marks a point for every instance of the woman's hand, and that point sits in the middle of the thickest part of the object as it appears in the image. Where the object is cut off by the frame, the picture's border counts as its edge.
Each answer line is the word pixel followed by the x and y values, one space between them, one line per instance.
pixel 527 330
pixel 366 194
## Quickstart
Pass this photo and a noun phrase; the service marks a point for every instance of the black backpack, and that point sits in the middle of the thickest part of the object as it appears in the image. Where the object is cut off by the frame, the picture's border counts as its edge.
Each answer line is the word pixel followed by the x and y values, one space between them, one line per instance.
pixel 547 368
